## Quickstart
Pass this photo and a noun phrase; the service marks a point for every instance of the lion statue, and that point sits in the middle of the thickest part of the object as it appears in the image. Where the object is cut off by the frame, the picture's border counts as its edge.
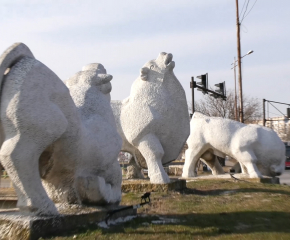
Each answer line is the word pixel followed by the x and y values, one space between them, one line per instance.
pixel 154 121
pixel 258 149
pixel 65 136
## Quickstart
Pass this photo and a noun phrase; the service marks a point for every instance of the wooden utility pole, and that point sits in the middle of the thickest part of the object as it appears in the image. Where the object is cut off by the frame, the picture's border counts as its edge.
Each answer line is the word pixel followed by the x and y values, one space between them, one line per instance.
pixel 264 115
pixel 239 64
pixel 192 95
pixel 236 101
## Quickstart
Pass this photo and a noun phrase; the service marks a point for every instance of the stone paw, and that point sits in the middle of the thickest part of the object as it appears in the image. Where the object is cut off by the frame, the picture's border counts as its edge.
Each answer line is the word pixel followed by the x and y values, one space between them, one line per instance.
pixel 159 178
pixel 39 208
pixel 189 174
pixel 255 175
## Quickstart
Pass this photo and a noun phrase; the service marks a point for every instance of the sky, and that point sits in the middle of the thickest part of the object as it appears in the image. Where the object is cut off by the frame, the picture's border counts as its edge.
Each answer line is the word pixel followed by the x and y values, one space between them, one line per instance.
pixel 124 35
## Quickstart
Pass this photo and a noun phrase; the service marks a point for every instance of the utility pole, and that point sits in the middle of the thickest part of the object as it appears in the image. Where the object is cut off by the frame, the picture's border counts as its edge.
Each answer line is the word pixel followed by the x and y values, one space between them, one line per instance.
pixel 239 64
pixel 264 115
pixel 192 86
pixel 236 101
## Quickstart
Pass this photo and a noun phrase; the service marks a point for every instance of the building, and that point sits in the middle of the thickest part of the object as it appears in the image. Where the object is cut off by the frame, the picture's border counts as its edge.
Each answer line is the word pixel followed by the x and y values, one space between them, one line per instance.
pixel 281 125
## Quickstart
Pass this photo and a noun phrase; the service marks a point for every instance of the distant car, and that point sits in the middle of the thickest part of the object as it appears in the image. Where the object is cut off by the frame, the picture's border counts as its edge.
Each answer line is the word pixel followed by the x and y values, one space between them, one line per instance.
pixel 287 162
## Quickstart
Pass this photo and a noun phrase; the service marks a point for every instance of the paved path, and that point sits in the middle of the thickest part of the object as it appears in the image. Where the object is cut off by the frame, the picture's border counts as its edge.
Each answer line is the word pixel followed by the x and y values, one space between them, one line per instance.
pixel 5 183
pixel 285 177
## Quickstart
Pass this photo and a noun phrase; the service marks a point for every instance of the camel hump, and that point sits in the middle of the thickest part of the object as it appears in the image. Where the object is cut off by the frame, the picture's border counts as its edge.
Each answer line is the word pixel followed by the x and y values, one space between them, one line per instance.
pixel 12 55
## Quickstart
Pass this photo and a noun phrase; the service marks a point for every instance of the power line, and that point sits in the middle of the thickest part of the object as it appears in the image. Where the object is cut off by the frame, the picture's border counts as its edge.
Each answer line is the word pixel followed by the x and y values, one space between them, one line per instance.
pixel 244 30
pixel 251 8
pixel 277 109
pixel 249 11
pixel 276 114
pixel 243 7
pixel 245 11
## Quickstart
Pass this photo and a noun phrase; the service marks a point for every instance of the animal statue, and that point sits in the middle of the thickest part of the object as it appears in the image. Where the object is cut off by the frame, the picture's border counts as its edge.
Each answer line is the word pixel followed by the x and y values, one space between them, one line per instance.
pixel 258 149
pixel 65 136
pixel 154 121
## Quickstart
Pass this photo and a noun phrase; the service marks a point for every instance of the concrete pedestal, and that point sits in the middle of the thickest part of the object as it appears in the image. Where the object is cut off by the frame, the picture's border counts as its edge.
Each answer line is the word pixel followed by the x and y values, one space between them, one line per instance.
pixel 15 225
pixel 239 176
pixel 144 185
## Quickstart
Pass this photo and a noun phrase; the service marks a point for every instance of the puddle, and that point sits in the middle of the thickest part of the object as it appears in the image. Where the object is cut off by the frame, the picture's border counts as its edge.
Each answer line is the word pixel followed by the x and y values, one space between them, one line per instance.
pixel 103 224
pixel 228 192
pixel 247 196
pixel 241 226
pixel 163 220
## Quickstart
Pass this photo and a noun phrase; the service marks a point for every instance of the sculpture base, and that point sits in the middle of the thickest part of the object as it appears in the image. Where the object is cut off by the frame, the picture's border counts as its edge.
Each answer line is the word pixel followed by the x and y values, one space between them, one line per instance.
pixel 239 176
pixel 16 225
pixel 144 185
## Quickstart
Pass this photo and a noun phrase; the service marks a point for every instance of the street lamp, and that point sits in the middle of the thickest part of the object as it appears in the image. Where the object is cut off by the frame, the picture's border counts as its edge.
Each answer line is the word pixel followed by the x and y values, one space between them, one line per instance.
pixel 248 53
pixel 236 102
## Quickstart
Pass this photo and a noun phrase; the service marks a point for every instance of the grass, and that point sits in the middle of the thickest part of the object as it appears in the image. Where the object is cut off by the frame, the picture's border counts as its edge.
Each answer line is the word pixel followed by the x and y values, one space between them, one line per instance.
pixel 207 209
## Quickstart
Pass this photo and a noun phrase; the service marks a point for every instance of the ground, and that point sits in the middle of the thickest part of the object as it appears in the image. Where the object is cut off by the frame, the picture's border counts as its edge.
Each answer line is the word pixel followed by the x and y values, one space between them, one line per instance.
pixel 208 209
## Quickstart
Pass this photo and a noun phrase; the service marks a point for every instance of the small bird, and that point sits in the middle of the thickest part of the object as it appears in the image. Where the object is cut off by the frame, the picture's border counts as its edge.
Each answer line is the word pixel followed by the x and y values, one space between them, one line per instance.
pixel 145 197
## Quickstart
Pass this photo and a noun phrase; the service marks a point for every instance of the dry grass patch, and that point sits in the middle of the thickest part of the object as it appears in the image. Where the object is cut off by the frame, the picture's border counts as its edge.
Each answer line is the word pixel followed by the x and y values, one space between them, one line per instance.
pixel 207 209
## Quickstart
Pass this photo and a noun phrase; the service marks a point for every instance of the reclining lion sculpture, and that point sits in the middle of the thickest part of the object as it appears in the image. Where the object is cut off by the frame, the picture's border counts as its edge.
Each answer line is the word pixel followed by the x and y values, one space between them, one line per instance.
pixel 65 135
pixel 154 120
pixel 258 149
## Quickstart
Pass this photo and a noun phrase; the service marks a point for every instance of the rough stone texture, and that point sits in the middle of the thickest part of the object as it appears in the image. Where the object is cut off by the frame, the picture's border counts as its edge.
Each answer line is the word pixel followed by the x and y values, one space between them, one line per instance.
pixel 154 121
pixel 258 149
pixel 67 137
pixel 15 225
pixel 236 168
pixel 210 159
pixel 145 185
pixel 133 170
pixel 175 170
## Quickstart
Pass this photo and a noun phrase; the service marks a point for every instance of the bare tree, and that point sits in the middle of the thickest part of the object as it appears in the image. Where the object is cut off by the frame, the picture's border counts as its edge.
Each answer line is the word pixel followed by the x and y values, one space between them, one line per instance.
pixel 216 107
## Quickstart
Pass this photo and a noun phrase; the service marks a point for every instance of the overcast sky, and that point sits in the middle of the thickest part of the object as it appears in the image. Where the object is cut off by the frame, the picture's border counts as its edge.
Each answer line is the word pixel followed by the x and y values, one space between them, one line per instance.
pixel 124 35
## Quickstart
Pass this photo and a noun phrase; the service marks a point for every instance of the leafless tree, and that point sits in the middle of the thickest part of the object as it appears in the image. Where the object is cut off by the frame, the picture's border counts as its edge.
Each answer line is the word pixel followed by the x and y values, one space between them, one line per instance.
pixel 216 107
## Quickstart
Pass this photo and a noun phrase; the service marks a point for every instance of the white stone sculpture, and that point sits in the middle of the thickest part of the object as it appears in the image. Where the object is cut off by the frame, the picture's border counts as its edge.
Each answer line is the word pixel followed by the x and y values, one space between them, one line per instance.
pixel 65 135
pixel 258 149
pixel 154 121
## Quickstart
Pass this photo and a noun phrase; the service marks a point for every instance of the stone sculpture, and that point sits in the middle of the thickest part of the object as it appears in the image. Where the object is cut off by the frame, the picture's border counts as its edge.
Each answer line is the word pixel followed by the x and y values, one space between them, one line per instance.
pixel 154 121
pixel 258 149
pixel 65 135
pixel 134 171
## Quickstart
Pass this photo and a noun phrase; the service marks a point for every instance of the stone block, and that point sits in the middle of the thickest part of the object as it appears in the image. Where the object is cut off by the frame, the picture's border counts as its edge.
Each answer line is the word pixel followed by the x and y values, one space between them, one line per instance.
pixel 15 225
pixel 144 185
pixel 240 176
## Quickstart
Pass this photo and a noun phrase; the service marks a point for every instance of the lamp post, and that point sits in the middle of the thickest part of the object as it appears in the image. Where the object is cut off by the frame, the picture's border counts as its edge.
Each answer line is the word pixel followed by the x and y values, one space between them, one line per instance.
pixel 240 90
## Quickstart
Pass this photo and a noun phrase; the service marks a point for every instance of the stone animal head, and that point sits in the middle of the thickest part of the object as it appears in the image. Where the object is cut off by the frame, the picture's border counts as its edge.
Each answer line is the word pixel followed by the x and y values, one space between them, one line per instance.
pixel 93 74
pixel 275 169
pixel 156 69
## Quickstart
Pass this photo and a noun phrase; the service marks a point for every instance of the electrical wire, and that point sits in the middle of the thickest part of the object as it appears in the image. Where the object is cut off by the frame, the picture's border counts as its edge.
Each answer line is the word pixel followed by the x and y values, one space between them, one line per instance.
pixel 245 12
pixel 250 9
pixel 277 109
pixel 242 8
pixel 275 114
pixel 244 30
pixel 244 16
